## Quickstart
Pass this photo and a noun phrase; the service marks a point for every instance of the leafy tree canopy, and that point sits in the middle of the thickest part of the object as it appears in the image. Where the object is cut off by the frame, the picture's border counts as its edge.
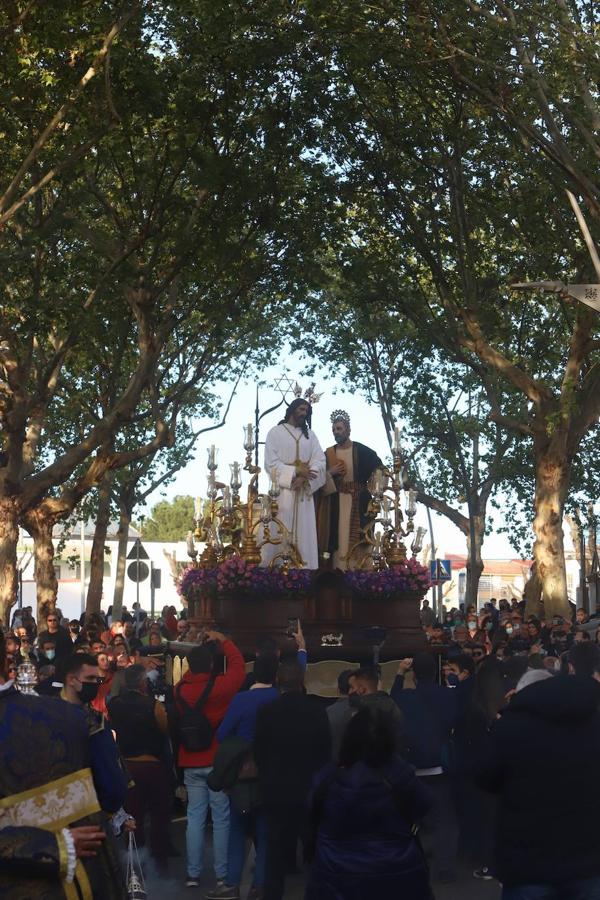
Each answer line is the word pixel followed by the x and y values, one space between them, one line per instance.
pixel 169 520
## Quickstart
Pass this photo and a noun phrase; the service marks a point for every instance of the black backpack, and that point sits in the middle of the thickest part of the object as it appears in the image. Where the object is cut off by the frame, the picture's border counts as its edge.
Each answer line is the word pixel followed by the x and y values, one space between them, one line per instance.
pixel 195 731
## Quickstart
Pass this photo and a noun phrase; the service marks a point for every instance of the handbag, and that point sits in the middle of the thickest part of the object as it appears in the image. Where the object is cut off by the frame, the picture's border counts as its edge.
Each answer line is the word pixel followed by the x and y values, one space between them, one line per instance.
pixel 245 794
pixel 135 884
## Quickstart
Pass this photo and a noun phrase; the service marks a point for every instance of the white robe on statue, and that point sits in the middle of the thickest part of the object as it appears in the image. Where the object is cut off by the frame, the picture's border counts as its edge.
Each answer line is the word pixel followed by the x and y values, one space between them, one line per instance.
pixel 284 446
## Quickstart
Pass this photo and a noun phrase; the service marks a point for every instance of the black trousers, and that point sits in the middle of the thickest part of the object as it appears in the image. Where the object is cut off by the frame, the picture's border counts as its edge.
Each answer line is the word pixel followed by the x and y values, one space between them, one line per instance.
pixel 439 828
pixel 285 824
pixel 151 794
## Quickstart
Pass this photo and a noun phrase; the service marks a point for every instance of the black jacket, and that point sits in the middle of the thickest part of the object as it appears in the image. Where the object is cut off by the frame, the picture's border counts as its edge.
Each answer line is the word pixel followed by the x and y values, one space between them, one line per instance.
pixel 541 759
pixel 429 716
pixel 291 743
pixel 132 716
pixel 229 757
pixel 63 643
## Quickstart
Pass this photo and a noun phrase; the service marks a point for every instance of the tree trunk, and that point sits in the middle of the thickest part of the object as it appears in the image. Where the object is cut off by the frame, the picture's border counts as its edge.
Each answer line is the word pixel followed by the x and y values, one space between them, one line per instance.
pixel 94 594
pixel 553 471
pixel 40 527
pixel 474 558
pixel 9 538
pixel 532 594
pixel 123 532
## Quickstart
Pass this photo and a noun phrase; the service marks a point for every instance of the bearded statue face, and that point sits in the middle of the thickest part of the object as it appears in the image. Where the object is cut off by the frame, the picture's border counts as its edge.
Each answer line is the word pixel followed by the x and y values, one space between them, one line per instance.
pixel 299 415
pixel 341 431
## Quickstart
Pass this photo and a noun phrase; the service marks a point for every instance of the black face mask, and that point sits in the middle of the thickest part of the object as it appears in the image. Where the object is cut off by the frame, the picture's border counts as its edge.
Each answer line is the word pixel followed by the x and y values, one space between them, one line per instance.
pixel 88 691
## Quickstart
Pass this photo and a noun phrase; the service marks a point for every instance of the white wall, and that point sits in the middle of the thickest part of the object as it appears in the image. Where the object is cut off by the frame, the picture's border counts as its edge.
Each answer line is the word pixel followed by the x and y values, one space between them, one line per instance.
pixel 69 587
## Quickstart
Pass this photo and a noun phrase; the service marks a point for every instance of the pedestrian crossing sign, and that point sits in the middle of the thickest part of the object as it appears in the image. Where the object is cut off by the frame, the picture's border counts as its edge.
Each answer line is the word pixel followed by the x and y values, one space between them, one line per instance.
pixel 440 570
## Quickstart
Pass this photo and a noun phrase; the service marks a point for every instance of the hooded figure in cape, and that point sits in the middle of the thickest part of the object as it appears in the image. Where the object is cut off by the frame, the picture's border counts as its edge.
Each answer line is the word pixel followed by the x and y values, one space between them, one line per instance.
pixel 50 802
pixel 343 502
pixel 293 452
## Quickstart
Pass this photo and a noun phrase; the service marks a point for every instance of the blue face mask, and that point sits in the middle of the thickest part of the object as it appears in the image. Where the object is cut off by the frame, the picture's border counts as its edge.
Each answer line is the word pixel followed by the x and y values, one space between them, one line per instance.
pixel 452 679
pixel 50 654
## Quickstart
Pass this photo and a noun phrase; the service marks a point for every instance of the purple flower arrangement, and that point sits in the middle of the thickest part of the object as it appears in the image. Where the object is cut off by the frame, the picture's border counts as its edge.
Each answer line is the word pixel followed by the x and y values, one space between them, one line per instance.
pixel 236 577
pixel 409 576
pixel 194 583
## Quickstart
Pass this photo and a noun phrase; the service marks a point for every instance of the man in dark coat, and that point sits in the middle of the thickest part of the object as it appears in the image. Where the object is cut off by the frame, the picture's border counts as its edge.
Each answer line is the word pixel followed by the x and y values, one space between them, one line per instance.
pixel 58 636
pixel 365 692
pixel 430 713
pixel 547 842
pixel 340 712
pixel 291 743
pixel 342 503
pixel 141 726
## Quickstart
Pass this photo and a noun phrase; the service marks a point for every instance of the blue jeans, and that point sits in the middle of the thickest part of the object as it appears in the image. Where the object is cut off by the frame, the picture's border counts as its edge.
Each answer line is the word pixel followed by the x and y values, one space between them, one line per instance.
pixel 199 798
pixel 582 889
pixel 240 826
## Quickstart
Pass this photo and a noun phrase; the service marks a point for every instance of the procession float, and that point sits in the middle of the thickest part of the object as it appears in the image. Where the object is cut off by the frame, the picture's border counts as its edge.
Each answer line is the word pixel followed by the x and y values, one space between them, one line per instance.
pixel 370 612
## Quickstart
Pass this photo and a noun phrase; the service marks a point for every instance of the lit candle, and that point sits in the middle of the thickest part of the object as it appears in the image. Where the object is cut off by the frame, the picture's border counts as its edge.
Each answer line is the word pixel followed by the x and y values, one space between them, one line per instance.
pixel 191 550
pixel 411 503
pixel 235 481
pixel 248 437
pixel 417 544
pixel 274 489
pixel 266 508
pixel 386 504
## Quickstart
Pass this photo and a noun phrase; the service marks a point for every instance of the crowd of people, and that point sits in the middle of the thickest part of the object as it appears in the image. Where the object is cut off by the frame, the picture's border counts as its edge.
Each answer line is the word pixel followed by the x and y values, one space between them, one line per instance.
pixel 504 630
pixel 481 752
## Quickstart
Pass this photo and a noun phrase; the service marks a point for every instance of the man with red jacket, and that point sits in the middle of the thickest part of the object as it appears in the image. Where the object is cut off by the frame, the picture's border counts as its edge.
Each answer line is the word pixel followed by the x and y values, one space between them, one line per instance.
pixel 197 765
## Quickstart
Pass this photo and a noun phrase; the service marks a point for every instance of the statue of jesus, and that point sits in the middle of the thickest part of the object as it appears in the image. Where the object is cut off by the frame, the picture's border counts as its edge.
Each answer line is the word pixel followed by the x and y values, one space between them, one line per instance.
pixel 293 451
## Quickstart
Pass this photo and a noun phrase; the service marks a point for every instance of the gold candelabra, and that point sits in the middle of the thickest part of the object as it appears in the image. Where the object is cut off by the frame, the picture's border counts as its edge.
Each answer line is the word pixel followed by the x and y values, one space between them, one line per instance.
pixel 229 527
pixel 388 525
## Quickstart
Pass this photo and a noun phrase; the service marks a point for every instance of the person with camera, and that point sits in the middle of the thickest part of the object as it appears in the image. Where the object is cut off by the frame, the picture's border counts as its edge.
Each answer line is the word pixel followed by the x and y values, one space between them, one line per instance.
pixel 201 701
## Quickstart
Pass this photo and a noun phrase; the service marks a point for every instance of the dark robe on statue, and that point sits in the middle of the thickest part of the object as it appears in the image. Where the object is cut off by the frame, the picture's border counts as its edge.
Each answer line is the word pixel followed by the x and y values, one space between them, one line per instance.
pixel 365 461
pixel 50 777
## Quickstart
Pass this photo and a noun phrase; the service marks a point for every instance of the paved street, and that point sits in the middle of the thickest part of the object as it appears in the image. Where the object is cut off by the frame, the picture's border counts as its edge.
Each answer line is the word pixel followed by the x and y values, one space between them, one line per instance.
pixel 466 888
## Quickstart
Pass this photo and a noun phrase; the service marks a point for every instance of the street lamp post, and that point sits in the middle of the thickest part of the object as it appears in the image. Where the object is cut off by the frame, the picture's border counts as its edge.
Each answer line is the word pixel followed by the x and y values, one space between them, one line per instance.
pixel 584 597
pixel 82 563
pixel 593 579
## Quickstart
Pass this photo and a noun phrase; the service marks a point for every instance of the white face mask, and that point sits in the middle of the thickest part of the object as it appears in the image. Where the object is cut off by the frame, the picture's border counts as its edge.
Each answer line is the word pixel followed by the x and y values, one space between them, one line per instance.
pixel 472 626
